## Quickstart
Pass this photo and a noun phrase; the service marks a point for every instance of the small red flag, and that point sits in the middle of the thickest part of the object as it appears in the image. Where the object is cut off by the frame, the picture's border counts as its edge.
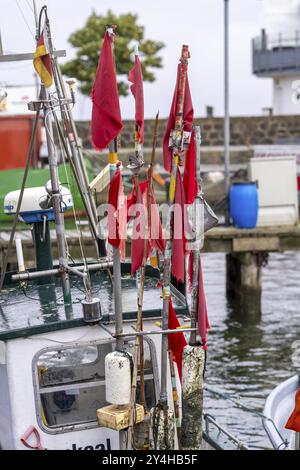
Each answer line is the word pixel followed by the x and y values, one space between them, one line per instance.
pixel 188 118
pixel 179 240
pixel 176 341
pixel 131 198
pixel 113 199
pixel 138 235
pixel 157 241
pixel 203 322
pixel 294 420
pixel 106 114
pixel 190 178
pixel 136 78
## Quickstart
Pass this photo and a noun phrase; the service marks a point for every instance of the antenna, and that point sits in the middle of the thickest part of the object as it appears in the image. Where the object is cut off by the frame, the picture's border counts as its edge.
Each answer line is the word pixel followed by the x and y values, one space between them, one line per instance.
pixel 36 18
pixel 1 47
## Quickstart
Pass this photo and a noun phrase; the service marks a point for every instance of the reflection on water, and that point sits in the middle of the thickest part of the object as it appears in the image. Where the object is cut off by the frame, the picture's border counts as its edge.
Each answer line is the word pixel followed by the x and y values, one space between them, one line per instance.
pixel 250 348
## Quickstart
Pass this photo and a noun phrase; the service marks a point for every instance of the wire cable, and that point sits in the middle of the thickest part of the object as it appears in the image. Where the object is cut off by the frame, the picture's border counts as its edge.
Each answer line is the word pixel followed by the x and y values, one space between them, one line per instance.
pixel 29 6
pixel 25 20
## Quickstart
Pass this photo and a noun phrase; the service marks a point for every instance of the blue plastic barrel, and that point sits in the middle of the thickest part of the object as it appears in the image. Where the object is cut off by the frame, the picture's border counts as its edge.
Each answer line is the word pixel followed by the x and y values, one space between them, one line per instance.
pixel 244 205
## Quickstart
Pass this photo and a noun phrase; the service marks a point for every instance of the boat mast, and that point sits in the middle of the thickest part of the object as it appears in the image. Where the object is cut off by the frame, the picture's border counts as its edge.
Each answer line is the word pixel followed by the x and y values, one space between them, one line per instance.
pixel 36 18
pixel 55 184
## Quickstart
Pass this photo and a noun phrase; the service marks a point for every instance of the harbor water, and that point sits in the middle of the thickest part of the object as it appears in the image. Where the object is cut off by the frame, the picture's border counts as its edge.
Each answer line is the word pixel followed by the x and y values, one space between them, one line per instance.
pixel 249 349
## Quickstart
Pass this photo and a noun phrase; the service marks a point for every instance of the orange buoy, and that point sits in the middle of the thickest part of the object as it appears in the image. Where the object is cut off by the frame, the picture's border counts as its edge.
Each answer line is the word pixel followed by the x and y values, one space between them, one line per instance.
pixel 294 420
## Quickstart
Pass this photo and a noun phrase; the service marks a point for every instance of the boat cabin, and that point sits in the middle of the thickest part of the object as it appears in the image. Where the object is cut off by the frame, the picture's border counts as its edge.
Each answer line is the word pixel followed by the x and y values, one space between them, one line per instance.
pixel 52 364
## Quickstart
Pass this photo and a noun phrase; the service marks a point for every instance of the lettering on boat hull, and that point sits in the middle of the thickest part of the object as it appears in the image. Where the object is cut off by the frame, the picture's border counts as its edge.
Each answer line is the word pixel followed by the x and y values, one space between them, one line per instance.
pixel 106 446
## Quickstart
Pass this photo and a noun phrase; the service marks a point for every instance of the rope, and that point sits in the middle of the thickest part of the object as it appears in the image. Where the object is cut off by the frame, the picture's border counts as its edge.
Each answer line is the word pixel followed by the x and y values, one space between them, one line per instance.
pixel 25 20
pixel 237 402
pixel 29 6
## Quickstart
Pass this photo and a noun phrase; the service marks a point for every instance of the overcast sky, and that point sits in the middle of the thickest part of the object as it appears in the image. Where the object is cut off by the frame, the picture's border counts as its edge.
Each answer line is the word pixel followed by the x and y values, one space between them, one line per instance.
pixel 198 23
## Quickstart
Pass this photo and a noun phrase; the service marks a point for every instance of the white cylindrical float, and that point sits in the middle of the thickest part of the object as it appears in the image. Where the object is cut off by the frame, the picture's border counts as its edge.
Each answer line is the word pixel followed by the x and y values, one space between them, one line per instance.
pixel 118 378
pixel 20 256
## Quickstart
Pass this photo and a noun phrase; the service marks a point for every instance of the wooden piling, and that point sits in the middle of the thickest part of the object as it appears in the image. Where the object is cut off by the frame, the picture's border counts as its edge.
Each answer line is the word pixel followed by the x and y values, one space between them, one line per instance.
pixel 243 273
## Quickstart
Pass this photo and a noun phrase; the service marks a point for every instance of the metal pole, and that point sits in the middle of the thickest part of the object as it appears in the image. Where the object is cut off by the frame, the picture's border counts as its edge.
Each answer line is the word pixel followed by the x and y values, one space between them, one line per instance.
pixel 117 292
pixel 196 250
pixel 226 103
pixel 159 332
pixel 42 245
pixel 36 17
pixel 1 46
pixel 118 299
pixel 117 286
pixel 55 272
pixel 56 201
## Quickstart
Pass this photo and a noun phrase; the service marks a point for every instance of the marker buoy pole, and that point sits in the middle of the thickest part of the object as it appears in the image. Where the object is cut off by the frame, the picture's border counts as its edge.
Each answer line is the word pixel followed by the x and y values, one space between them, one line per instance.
pixel 193 358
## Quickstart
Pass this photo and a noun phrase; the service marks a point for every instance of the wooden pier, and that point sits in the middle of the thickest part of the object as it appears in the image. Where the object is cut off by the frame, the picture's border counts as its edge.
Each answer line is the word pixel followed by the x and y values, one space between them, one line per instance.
pixel 218 240
pixel 262 239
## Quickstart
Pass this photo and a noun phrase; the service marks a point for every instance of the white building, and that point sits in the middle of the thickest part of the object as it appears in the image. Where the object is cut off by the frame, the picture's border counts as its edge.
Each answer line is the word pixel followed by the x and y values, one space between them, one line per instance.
pixel 276 53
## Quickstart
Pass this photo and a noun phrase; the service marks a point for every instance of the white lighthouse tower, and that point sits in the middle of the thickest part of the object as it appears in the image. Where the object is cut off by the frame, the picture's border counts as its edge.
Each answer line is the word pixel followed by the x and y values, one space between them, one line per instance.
pixel 276 53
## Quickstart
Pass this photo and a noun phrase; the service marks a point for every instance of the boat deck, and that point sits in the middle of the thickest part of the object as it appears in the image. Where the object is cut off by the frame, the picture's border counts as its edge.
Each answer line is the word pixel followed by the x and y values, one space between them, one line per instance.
pixel 34 309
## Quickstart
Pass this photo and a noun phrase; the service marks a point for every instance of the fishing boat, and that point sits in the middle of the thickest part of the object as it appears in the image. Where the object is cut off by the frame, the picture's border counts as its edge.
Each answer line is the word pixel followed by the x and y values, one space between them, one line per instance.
pixel 85 355
pixel 53 362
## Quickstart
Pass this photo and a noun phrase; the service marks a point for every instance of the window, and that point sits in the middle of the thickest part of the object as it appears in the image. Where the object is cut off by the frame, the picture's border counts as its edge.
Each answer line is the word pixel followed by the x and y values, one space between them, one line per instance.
pixel 70 383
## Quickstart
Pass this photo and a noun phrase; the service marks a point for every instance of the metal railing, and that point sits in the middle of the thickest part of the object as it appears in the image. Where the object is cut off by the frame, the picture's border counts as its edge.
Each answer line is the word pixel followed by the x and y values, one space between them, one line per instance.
pixel 269 42
pixel 276 54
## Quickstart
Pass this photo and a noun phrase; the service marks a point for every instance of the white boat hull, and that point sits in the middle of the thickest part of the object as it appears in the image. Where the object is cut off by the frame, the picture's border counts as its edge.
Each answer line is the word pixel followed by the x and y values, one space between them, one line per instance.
pixel 278 408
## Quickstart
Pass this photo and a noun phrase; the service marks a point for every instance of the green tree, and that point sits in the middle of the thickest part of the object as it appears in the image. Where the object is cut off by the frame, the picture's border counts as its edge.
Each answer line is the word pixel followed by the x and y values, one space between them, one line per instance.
pixel 88 42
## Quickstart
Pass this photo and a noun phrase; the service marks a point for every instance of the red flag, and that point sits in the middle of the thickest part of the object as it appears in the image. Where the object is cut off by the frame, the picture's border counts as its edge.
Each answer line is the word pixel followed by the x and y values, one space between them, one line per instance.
pixel 294 420
pixel 179 241
pixel 157 241
pixel 203 323
pixel 138 236
pixel 188 118
pixel 106 114
pixel 190 178
pixel 113 223
pixel 131 198
pixel 177 341
pixel 136 78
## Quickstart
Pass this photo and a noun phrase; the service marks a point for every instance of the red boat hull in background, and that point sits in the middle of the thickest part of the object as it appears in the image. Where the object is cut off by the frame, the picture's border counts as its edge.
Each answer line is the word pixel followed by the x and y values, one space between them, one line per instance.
pixel 15 135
